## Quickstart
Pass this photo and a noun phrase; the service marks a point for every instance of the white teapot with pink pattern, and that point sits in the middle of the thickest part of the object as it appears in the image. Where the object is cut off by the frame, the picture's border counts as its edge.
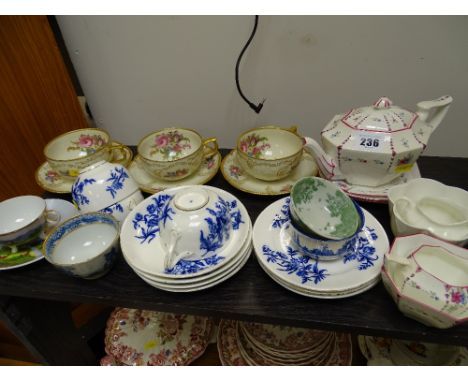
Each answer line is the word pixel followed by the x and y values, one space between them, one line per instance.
pixel 373 145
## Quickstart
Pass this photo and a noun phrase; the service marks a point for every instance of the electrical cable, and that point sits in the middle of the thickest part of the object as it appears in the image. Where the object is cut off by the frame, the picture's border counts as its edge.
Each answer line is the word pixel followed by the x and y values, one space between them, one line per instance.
pixel 254 107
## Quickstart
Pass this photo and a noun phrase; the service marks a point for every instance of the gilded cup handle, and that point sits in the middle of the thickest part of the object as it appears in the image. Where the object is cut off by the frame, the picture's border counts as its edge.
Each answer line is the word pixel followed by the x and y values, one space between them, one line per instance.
pixel 292 129
pixel 212 145
pixel 125 154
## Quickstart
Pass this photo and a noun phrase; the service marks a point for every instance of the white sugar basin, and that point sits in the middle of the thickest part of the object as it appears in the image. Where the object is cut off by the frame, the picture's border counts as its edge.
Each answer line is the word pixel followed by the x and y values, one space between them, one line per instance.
pixel 84 243
pixel 443 265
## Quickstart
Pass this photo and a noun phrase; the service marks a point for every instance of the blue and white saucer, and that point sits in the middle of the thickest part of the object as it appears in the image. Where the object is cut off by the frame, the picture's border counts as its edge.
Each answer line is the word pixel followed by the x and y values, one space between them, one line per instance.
pixel 144 252
pixel 277 254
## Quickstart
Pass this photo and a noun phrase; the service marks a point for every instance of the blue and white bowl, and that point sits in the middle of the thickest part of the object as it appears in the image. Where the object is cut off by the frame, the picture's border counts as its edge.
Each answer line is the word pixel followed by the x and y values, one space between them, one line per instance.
pixel 121 209
pixel 325 249
pixel 101 185
pixel 84 246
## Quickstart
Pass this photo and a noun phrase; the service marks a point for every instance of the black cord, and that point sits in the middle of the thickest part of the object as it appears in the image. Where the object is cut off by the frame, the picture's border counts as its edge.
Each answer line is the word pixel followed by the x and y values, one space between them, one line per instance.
pixel 254 107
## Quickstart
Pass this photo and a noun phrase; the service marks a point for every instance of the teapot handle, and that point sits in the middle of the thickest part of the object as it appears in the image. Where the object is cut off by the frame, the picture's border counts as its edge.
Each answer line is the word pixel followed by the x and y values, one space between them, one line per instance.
pixel 433 112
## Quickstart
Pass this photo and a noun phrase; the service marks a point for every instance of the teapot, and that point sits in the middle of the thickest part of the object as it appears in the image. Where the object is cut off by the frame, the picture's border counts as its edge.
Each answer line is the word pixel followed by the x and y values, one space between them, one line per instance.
pixel 372 145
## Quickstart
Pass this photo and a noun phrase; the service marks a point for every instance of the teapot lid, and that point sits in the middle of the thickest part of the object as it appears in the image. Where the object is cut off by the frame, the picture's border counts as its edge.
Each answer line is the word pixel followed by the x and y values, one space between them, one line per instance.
pixel 381 117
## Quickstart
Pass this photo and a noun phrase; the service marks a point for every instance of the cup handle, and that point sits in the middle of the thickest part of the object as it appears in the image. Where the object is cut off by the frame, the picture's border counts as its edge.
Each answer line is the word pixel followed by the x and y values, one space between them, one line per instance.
pixel 52 217
pixel 212 145
pixel 292 129
pixel 125 154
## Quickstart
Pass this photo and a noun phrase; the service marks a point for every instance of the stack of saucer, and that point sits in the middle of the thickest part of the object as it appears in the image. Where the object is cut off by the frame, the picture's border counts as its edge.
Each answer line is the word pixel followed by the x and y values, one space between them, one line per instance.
pixel 381 351
pixel 187 238
pixel 254 344
pixel 356 269
pixel 144 337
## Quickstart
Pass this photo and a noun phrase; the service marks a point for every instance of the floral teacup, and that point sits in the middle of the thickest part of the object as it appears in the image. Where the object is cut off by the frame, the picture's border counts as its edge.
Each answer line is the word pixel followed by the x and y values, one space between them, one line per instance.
pixel 174 153
pixel 71 152
pixel 270 152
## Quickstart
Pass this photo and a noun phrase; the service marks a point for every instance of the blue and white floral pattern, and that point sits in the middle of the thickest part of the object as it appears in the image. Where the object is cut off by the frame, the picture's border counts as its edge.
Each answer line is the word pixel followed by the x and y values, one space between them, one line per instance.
pixel 78 188
pixel 218 225
pixel 117 179
pixel 117 207
pixel 358 249
pixel 148 224
pixel 184 267
pixel 284 217
pixel 293 262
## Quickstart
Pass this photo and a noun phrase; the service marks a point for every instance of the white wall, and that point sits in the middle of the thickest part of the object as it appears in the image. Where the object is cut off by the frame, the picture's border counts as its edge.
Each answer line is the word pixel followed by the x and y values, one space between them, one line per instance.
pixel 143 73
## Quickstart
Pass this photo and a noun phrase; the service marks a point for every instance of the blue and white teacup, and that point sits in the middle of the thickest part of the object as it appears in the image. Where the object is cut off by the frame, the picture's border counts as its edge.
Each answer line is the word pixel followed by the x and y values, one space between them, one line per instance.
pixel 325 249
pixel 84 246
pixel 101 185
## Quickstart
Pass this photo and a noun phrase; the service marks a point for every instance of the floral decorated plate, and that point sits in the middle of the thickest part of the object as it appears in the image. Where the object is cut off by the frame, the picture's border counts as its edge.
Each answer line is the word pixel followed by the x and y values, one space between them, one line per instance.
pixel 141 243
pixel 151 185
pixel 238 178
pixel 381 351
pixel 376 194
pixel 245 250
pixel 228 348
pixel 204 284
pixel 278 255
pixel 144 337
pixel 51 181
pixel 28 254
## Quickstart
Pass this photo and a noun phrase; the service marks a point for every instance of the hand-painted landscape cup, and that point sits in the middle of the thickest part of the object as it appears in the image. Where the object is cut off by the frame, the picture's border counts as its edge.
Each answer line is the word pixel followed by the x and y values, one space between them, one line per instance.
pixel 174 153
pixel 71 152
pixel 269 153
pixel 84 246
pixel 23 219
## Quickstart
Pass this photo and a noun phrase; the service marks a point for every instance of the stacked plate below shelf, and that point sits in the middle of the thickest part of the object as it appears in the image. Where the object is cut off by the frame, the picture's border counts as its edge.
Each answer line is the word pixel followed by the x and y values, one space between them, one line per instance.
pixel 253 344
pixel 144 337
pixel 356 272
pixel 142 248
pixel 381 351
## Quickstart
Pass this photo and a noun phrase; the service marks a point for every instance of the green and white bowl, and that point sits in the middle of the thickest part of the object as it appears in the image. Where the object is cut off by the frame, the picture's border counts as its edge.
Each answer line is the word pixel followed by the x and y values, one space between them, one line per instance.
pixel 323 209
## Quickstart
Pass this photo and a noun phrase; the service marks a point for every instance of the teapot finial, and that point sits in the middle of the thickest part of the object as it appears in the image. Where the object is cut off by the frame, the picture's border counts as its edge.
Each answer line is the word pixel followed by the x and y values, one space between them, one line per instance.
pixel 383 103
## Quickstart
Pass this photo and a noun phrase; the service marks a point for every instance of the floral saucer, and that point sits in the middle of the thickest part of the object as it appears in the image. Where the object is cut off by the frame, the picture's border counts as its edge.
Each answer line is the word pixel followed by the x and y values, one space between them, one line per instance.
pixel 151 185
pixel 144 337
pixel 278 255
pixel 51 181
pixel 141 242
pixel 30 253
pixel 233 173
pixel 376 194
pixel 381 351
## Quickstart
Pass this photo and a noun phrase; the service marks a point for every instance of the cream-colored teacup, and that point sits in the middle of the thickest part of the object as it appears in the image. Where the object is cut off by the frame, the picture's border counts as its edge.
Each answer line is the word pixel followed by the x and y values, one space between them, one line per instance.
pixel 174 153
pixel 270 152
pixel 71 152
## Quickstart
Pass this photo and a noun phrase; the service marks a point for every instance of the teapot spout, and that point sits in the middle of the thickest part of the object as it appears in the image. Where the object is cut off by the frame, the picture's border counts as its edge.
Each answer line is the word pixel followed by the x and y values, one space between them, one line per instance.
pixel 433 112
pixel 325 162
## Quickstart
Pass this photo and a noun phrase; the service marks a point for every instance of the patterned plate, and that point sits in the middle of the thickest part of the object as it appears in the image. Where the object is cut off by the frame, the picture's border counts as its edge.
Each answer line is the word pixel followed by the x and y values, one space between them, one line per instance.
pixel 142 249
pixel 228 349
pixel 151 185
pixel 276 252
pixel 51 181
pixel 239 179
pixel 143 337
pixel 382 351
pixel 205 284
pixel 376 194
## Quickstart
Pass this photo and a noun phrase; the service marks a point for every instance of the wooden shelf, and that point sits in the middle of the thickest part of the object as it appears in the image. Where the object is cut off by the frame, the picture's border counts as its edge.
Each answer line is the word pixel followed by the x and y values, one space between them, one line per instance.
pixel 250 295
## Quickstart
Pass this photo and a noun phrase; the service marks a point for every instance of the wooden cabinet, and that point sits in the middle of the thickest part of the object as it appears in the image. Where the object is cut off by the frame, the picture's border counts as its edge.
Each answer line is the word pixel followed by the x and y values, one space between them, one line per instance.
pixel 37 100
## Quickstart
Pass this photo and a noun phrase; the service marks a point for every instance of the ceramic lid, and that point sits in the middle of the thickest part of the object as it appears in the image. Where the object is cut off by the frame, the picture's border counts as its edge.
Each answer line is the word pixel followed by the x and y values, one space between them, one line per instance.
pixel 382 117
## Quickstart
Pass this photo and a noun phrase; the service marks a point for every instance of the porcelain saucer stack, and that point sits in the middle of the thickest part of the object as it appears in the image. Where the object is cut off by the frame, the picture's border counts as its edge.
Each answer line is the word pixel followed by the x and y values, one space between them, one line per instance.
pixel 219 253
pixel 355 272
pixel 137 337
pixel 254 344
